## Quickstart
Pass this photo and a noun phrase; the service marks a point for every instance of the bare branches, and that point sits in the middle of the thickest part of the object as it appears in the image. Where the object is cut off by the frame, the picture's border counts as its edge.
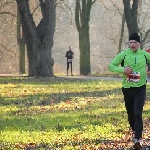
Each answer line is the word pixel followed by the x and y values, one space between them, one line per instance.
pixel 7 49
pixel 35 9
pixel 146 35
pixel 116 7
pixel 1 13
pixel 42 4
pixel 104 4
pixel 94 1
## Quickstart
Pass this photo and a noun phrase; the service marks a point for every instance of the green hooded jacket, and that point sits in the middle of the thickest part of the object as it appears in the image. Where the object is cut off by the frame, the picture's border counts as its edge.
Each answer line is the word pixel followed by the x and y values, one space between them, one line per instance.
pixel 137 61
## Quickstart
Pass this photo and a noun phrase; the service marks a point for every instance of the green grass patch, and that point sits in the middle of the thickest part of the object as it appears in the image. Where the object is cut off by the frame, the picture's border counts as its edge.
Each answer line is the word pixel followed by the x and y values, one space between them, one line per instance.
pixel 60 113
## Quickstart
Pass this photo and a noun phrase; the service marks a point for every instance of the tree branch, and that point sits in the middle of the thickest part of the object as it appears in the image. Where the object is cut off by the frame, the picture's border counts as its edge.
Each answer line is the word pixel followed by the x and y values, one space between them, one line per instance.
pixel 7 49
pixel 116 7
pixel 77 12
pixel 42 4
pixel 93 2
pixel 9 13
pixel 147 32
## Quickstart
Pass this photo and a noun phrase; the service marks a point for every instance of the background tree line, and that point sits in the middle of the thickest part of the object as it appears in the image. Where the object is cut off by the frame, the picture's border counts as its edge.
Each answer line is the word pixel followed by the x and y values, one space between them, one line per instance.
pixel 33 24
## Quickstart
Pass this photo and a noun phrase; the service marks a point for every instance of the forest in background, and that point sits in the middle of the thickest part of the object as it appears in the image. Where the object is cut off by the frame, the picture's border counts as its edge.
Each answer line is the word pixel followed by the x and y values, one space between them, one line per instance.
pixel 105 29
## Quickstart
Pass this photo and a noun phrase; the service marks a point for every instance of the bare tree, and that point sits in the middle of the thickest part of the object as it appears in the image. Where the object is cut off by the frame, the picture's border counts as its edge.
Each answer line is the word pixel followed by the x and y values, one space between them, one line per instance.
pixel 21 43
pixel 132 19
pixel 131 15
pixel 39 39
pixel 82 18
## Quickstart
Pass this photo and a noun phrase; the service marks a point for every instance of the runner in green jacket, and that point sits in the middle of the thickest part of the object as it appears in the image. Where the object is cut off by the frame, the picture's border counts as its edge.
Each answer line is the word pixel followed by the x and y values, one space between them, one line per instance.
pixel 136 60
pixel 133 84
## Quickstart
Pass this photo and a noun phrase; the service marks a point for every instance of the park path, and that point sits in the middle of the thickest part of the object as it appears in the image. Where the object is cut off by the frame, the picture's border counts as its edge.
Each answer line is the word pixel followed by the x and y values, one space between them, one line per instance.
pixel 97 78
pixel 73 77
pixel 91 77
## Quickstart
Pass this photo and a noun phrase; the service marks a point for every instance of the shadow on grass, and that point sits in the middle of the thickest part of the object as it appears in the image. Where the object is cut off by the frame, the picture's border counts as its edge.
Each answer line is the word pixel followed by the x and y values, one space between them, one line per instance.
pixel 25 119
pixel 48 99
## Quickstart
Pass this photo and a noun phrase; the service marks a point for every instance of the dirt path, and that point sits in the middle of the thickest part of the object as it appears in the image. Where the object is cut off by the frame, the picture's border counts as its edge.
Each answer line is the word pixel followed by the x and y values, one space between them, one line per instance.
pixel 97 78
pixel 72 77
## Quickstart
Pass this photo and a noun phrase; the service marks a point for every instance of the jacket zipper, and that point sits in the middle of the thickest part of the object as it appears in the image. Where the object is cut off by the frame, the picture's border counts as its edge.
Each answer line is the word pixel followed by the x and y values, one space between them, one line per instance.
pixel 135 59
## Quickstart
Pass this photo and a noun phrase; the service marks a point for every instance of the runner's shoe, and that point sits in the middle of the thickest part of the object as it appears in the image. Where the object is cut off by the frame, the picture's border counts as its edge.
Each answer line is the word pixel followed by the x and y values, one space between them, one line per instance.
pixel 137 144
pixel 133 137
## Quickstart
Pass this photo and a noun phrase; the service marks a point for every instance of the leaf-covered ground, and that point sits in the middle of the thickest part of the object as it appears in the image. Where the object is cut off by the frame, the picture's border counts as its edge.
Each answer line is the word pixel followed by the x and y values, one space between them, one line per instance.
pixel 25 107
pixel 85 144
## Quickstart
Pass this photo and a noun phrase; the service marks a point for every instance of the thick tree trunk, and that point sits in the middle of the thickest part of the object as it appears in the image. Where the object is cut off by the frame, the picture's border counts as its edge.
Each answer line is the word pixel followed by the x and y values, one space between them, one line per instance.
pixel 131 15
pixel 84 45
pixel 82 18
pixel 40 61
pixel 21 44
pixel 39 40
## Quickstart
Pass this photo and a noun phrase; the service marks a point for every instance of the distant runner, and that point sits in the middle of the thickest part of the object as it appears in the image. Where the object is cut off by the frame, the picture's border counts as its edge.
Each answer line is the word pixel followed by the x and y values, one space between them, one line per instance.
pixel 69 55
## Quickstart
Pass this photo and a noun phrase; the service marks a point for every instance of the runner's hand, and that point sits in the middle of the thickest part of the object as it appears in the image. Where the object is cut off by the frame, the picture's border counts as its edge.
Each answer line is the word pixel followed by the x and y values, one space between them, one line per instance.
pixel 148 73
pixel 128 70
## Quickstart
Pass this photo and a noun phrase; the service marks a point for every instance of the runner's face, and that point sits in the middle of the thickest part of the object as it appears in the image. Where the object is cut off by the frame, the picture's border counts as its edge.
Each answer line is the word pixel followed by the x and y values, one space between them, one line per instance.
pixel 70 47
pixel 134 45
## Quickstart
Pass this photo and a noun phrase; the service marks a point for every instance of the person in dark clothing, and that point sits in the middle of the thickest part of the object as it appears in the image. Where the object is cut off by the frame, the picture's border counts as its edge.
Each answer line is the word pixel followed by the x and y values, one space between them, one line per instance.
pixel 69 55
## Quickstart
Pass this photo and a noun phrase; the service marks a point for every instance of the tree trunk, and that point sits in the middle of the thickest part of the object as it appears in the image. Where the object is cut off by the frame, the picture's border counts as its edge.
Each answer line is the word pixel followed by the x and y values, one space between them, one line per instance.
pixel 22 57
pixel 82 18
pixel 131 15
pixel 21 44
pixel 39 40
pixel 84 45
pixel 122 33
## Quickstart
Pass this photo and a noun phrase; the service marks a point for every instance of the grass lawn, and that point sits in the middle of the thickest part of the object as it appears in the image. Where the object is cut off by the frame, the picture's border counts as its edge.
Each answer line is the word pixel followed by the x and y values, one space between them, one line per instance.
pixel 64 114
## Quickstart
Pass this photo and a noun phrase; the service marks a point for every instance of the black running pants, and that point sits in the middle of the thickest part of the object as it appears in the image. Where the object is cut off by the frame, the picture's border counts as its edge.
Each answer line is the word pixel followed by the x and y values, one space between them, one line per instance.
pixel 134 98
